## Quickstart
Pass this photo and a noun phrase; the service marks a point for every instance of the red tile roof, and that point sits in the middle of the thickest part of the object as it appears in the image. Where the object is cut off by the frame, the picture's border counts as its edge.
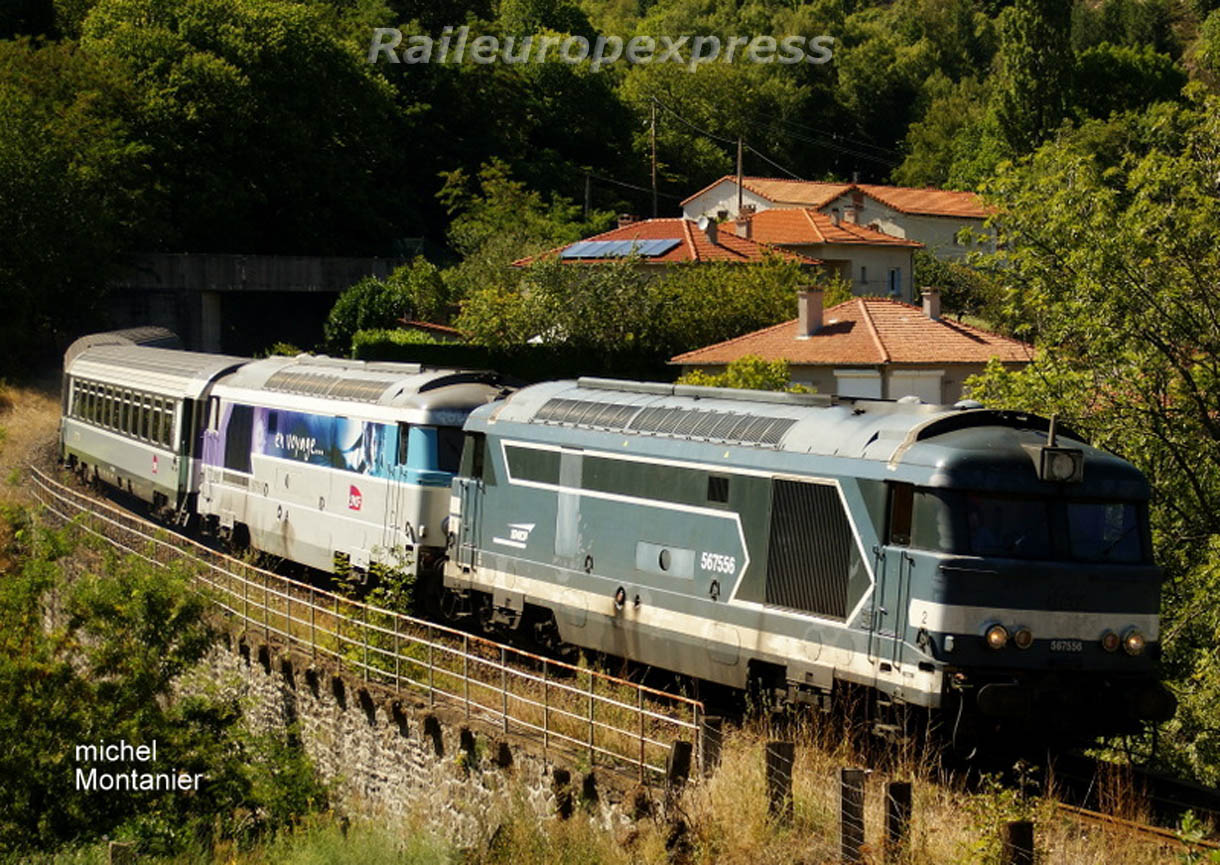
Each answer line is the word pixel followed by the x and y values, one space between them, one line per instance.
pixel 694 245
pixel 868 330
pixel 818 194
pixel 804 225
pixel 432 327
pixel 928 202
pixel 810 193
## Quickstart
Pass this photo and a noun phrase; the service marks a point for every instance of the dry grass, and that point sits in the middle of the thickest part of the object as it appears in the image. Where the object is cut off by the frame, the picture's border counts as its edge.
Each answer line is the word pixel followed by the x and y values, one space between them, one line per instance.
pixel 29 420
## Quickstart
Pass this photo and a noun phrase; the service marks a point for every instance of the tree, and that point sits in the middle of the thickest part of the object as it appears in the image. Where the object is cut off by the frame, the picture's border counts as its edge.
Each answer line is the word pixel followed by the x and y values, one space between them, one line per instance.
pixel 72 195
pixel 266 132
pixel 1123 313
pixel 1111 78
pixel 413 291
pixel 1034 76
pixel 750 372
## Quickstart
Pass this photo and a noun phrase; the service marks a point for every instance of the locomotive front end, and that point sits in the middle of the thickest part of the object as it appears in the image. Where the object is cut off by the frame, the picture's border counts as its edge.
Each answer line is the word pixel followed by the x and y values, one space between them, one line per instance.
pixel 1032 583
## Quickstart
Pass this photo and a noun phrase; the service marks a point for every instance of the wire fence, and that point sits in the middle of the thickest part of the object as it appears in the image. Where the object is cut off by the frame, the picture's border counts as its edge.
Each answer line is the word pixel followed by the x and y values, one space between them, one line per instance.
pixel 609 721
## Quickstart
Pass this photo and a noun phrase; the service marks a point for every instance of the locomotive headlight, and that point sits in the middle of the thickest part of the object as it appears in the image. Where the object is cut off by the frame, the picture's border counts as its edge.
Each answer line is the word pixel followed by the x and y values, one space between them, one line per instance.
pixel 1023 638
pixel 1133 642
pixel 1110 641
pixel 996 636
pixel 1062 465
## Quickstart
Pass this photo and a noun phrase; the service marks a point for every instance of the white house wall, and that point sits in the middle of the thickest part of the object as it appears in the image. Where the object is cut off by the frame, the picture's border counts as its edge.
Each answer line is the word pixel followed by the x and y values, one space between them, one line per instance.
pixel 869 265
pixel 722 196
pixel 937 233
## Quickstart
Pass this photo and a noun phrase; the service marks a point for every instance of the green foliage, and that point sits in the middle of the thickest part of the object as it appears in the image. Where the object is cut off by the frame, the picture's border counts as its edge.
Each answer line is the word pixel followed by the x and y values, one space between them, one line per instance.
pixel 1123 313
pixel 497 220
pixel 623 306
pixel 964 290
pixel 1111 78
pixel 263 127
pixel 414 291
pixel 1032 83
pixel 751 373
pixel 70 173
pixel 97 657
pixel 1204 54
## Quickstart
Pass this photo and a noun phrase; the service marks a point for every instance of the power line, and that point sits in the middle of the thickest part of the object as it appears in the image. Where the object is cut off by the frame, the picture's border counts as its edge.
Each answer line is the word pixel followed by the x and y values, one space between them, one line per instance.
pixel 627 185
pixel 715 137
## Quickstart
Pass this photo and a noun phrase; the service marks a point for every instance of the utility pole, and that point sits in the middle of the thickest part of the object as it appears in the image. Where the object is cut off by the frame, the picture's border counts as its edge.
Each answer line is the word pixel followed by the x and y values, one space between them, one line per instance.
pixel 588 195
pixel 653 135
pixel 739 175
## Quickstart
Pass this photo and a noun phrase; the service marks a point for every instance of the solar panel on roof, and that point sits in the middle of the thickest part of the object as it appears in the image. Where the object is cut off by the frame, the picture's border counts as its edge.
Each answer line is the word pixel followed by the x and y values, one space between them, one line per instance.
pixel 619 248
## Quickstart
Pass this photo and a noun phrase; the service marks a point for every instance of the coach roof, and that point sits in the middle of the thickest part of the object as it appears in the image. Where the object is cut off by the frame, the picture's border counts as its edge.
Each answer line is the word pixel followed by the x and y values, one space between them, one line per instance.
pixel 163 370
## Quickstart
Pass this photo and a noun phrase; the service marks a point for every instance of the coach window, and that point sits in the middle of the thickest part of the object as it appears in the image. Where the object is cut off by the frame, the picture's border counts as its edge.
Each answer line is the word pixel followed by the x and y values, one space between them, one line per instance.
pixel 237 438
pixel 146 419
pixel 155 420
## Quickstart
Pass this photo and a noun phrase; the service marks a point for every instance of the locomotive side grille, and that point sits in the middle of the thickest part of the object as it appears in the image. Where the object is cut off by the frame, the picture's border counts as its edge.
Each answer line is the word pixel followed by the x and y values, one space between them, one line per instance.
pixel 809 559
pixel 728 427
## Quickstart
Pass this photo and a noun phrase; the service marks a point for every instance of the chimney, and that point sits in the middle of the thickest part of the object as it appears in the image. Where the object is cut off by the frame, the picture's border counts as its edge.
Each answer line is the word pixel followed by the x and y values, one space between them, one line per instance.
pixel 712 230
pixel 809 312
pixel 931 303
pixel 625 219
pixel 743 225
pixel 835 216
pixel 855 177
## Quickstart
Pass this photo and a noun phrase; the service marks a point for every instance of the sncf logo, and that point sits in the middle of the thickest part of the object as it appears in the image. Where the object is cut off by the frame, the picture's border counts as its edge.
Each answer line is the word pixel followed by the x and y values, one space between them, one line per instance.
pixel 354 498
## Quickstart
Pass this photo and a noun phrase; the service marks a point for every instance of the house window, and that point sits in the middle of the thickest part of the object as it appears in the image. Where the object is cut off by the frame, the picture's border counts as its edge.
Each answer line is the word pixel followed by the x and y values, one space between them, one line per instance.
pixel 860 383
pixel 895 281
pixel 864 274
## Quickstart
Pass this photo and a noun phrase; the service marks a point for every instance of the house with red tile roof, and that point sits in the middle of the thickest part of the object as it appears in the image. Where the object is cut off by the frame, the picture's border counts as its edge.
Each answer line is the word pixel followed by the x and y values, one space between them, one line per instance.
pixel 870 347
pixel 659 243
pixel 934 217
pixel 873 262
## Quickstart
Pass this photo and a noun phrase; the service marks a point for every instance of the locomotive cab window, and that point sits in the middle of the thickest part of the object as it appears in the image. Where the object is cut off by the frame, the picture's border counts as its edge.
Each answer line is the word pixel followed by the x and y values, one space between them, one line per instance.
pixel 403 438
pixel 448 448
pixel 473 456
pixel 717 489
pixel 901 502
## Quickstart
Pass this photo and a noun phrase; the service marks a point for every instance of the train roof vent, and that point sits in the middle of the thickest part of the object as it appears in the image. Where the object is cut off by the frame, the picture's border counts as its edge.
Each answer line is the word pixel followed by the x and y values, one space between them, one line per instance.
pixel 361 389
pixel 327 385
pixel 604 415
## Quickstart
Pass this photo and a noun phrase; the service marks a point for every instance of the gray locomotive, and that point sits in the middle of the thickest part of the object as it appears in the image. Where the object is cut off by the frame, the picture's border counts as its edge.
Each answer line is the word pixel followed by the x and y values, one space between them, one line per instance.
pixel 965 561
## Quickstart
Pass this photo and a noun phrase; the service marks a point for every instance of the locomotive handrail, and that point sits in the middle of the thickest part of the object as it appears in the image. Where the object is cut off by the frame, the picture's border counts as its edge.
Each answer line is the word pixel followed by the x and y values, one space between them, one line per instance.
pixel 390 648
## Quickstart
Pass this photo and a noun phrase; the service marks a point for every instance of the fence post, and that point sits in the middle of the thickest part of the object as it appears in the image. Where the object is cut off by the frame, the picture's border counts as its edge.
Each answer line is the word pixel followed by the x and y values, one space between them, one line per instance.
pixel 364 639
pixel 397 657
pixel 780 756
pixel 1018 843
pixel 504 687
pixel 639 708
pixel 466 672
pixel 431 669
pixel 313 631
pixel 266 607
pixel 851 791
pixel 591 755
pixel 897 818
pixel 709 743
pixel 288 615
pixel 677 767
pixel 546 706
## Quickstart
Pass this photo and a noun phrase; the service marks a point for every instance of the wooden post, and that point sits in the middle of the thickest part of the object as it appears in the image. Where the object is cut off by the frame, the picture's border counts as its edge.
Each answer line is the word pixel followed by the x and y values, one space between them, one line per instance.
pixel 591 753
pixel 780 756
pixel 851 792
pixel 397 657
pixel 313 635
pixel 639 708
pixel 677 767
pixel 546 707
pixel 504 687
pixel 1018 841
pixel 897 818
pixel 710 738
pixel 466 672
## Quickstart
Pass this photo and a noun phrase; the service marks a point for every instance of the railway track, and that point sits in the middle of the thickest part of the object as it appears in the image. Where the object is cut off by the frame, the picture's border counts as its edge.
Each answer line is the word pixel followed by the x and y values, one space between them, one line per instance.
pixel 1084 785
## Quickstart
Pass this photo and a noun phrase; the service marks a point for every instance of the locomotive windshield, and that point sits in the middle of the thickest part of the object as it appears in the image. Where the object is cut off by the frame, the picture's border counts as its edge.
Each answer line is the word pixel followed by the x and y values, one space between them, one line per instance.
pixel 1016 527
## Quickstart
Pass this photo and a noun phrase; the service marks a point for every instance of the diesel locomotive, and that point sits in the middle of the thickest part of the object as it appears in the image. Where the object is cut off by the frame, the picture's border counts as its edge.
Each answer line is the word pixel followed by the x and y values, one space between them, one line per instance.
pixel 968 564
pixel 954 559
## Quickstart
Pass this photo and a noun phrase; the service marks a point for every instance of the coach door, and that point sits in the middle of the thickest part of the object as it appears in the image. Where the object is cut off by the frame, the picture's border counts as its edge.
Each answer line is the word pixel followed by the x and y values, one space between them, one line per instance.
pixel 468 487
pixel 396 528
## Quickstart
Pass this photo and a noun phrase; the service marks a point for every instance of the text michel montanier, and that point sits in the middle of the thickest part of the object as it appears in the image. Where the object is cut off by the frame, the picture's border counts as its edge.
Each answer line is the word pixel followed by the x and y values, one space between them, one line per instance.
pixel 131 779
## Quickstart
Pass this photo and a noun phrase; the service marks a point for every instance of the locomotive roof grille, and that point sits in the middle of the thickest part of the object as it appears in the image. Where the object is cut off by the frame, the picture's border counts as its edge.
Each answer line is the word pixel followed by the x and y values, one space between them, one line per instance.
pixel 323 384
pixel 733 428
